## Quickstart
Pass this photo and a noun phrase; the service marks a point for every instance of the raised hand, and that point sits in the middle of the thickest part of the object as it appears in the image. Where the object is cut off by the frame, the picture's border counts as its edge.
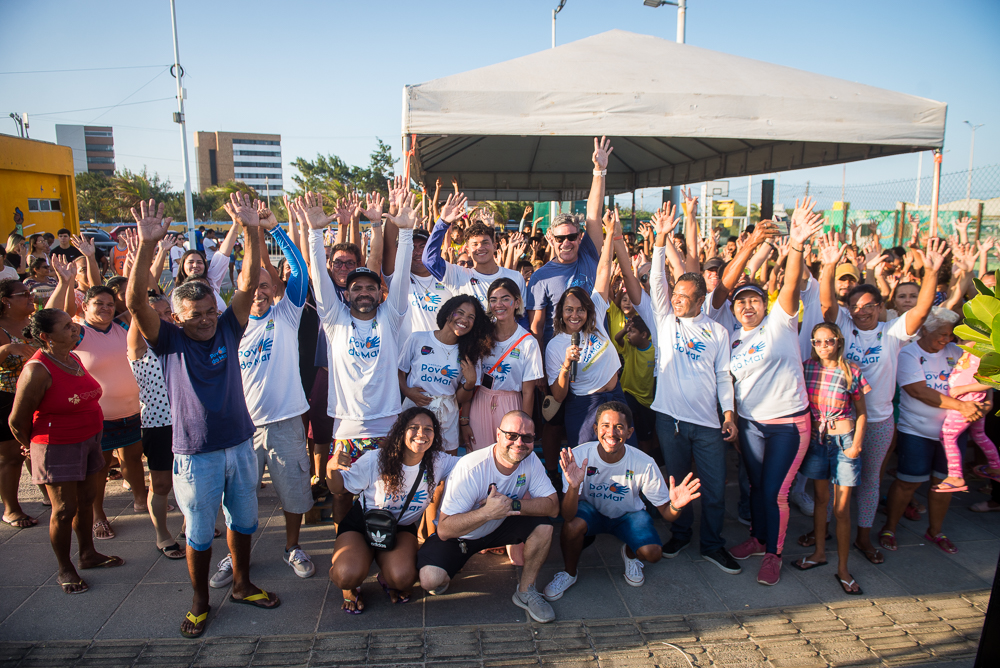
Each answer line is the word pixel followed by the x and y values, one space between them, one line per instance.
pixel 962 227
pixel 665 219
pixel 937 251
pixel 345 210
pixel 686 492
pixel 782 247
pixel 65 270
pixel 764 231
pixel 453 207
pixel 288 208
pixel 397 188
pixel 85 245
pixel 853 227
pixel 690 203
pixel 310 210
pixel 805 223
pixel 574 474
pixel 245 210
pixel 407 216
pixel 374 203
pixel 602 151
pixel 830 251
pixel 166 243
pixel 150 223
pixel 267 218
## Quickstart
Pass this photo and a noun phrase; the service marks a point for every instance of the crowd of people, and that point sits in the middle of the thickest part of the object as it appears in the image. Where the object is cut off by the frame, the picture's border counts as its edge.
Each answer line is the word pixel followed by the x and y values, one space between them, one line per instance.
pixel 409 369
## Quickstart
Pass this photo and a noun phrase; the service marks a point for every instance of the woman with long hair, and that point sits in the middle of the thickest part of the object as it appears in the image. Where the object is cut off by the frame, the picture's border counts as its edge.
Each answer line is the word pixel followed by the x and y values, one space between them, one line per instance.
pixel 837 391
pixel 383 479
pixel 439 369
pixel 16 307
pixel 510 369
pixel 57 416
pixel 38 246
pixel 17 253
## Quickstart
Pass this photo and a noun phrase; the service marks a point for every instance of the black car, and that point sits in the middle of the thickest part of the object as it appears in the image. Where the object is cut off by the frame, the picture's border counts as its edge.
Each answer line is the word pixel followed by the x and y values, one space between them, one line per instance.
pixel 102 240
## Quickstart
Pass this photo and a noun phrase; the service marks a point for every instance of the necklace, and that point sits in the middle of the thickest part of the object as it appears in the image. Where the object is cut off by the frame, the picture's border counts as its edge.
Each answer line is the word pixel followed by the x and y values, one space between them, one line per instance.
pixel 76 371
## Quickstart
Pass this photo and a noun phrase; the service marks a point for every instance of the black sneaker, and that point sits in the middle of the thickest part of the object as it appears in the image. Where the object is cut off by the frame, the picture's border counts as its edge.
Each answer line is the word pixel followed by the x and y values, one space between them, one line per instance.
pixel 674 546
pixel 723 560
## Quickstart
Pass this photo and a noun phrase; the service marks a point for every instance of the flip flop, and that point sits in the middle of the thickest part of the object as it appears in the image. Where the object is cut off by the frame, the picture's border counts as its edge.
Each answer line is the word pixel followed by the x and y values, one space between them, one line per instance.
pixel 874 556
pixel 173 548
pixel 804 564
pixel 981 471
pixel 104 527
pixel 21 522
pixel 400 596
pixel 64 586
pixel 883 539
pixel 846 586
pixel 110 562
pixel 946 487
pixel 198 621
pixel 805 540
pixel 911 513
pixel 355 601
pixel 261 600
pixel 942 542
pixel 983 507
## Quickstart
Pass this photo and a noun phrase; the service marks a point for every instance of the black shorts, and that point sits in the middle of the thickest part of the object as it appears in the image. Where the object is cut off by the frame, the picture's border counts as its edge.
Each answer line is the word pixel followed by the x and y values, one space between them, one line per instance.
pixel 320 423
pixel 6 406
pixel 643 417
pixel 355 521
pixel 157 445
pixel 448 554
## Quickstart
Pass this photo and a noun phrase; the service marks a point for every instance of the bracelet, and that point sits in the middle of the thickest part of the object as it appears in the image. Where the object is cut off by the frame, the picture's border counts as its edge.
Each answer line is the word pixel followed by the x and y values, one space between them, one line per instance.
pixel 463 421
pixel 600 172
pixel 797 250
pixel 377 225
pixel 673 507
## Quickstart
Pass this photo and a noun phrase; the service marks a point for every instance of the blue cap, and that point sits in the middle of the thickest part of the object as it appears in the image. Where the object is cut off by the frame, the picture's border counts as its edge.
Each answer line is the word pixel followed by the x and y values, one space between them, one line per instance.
pixel 362 272
pixel 752 288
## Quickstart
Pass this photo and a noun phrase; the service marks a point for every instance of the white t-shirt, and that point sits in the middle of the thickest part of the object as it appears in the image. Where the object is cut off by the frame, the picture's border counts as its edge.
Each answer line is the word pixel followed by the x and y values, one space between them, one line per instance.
pixel 724 315
pixel 876 351
pixel 430 365
pixel 176 253
pixel 363 354
pixel 598 362
pixel 613 489
pixel 523 363
pixel 767 367
pixel 916 365
pixel 426 296
pixel 269 365
pixel 812 315
pixel 363 478
pixel 692 358
pixel 470 480
pixel 464 281
pixel 210 246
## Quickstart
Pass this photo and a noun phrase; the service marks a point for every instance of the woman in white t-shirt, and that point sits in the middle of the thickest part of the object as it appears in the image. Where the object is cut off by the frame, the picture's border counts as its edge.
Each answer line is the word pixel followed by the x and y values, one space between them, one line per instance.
pixel 439 369
pixel 509 372
pixel 771 398
pixel 383 479
pixel 582 315
pixel 923 371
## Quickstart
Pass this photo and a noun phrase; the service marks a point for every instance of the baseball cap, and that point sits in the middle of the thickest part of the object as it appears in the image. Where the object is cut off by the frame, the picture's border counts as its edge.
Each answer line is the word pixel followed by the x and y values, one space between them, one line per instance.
pixel 361 272
pixel 421 234
pixel 848 269
pixel 714 264
pixel 752 288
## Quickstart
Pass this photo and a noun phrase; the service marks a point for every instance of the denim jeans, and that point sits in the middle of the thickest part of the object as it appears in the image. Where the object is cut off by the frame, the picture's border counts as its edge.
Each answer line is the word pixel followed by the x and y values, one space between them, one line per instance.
pixel 682 443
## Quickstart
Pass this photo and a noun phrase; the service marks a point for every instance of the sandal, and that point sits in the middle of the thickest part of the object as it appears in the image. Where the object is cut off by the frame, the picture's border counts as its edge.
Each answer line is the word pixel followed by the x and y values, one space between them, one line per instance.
pixel 174 551
pixel 103 530
pixel 846 586
pixel 911 513
pixel 259 600
pixel 358 605
pixel 21 522
pixel 983 472
pixel 389 591
pixel 809 540
pixel 66 587
pixel 804 564
pixel 109 562
pixel 942 541
pixel 199 623
pixel 887 539
pixel 946 487
pixel 983 507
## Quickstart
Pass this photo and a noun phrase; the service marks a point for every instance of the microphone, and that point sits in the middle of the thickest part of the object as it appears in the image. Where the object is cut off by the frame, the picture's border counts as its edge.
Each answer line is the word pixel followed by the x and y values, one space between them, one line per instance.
pixel 572 365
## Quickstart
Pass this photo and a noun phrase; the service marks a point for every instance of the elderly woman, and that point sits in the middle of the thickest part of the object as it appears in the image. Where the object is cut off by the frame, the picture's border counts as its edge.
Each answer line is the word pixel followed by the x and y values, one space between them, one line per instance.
pixel 924 367
pixel 57 416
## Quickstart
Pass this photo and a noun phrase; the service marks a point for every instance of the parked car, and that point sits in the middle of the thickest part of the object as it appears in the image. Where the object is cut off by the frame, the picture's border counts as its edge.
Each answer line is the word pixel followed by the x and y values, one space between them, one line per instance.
pixel 102 240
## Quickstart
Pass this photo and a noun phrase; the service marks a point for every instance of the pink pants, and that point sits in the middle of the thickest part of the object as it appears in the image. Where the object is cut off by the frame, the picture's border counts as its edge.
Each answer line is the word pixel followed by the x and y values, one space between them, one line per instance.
pixel 953 427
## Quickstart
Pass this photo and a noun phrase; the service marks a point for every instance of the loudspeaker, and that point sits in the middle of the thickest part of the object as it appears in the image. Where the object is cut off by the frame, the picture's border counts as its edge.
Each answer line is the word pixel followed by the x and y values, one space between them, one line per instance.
pixel 766 199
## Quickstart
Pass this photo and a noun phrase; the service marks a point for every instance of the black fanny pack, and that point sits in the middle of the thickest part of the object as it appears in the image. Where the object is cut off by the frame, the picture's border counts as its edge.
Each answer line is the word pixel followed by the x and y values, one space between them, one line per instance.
pixel 380 524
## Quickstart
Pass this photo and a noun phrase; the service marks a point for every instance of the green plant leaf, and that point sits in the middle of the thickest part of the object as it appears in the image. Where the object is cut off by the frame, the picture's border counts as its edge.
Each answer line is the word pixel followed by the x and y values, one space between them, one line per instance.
pixel 980 350
pixel 970 332
pixel 982 308
pixel 995 334
pixel 990 364
pixel 981 287
pixel 992 381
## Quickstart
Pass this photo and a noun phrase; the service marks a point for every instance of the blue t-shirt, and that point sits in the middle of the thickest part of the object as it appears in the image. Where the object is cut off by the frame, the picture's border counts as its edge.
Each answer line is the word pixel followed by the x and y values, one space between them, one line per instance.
pixel 548 284
pixel 205 387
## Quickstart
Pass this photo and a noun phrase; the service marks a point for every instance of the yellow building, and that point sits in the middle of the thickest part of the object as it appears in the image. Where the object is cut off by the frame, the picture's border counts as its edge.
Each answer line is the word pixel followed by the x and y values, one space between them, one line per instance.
pixel 36 177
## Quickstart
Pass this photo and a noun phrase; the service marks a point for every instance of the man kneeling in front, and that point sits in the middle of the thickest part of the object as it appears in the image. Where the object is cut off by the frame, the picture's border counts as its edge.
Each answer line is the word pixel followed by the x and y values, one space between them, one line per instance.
pixel 603 479
pixel 484 506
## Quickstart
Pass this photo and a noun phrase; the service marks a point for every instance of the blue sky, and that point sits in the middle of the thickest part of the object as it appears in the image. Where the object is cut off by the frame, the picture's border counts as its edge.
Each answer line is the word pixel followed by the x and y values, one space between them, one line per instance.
pixel 327 76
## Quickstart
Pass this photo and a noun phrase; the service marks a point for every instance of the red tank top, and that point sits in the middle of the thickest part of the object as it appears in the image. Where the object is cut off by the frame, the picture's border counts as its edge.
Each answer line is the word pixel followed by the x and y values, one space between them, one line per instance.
pixel 70 411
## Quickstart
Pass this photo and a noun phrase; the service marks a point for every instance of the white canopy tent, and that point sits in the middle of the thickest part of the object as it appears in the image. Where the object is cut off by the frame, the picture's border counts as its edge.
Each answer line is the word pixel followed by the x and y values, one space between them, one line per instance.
pixel 675 114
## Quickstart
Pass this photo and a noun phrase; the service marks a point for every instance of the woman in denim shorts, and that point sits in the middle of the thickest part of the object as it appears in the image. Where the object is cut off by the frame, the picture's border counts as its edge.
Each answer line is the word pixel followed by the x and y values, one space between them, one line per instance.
pixel 837 391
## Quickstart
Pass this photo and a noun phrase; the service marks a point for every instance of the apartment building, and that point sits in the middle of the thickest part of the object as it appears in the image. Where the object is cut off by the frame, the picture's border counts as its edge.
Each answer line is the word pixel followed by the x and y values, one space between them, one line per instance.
pixel 93 147
pixel 252 158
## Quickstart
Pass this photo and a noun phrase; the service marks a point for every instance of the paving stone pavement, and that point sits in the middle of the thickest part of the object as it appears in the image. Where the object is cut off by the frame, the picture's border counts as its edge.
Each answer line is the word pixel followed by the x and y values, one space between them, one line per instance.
pixel 938 630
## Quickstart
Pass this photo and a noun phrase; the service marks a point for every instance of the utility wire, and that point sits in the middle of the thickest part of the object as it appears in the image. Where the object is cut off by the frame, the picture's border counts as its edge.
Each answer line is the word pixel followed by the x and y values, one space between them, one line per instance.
pixel 86 69
pixel 127 104
pixel 158 75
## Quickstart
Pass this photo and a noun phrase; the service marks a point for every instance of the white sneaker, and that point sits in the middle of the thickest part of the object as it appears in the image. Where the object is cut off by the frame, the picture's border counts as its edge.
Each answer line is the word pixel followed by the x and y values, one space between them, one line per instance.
pixel 633 570
pixel 224 576
pixel 440 590
pixel 560 583
pixel 804 502
pixel 300 562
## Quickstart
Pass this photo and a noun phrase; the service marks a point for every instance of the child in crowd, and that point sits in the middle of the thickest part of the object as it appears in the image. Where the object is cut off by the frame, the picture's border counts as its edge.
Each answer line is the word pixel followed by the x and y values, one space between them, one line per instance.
pixel 635 342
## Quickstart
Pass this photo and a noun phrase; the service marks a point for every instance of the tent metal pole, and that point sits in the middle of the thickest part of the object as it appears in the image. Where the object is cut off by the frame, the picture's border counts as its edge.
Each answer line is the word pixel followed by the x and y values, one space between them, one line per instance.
pixel 681 20
pixel 935 192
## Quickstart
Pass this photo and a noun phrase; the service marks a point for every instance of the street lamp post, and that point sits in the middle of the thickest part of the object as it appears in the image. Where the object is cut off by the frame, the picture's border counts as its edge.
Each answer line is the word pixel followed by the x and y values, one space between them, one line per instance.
pixel 179 119
pixel 972 152
pixel 681 6
pixel 562 3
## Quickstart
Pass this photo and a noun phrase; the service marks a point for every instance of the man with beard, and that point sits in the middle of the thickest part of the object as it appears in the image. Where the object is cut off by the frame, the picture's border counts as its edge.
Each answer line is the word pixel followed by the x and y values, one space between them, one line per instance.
pixel 496 496
pixel 603 479
pixel 363 397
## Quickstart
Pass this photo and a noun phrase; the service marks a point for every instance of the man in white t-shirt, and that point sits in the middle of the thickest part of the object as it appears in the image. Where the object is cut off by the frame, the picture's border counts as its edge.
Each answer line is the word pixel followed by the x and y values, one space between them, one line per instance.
pixel 693 354
pixel 210 244
pixel 496 496
pixel 603 479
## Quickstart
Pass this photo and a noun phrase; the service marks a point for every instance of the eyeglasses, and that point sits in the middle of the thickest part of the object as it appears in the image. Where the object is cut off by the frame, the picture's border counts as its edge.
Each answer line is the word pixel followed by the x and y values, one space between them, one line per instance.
pixel 514 436
pixel 824 342
pixel 465 263
pixel 344 264
pixel 566 237
pixel 867 308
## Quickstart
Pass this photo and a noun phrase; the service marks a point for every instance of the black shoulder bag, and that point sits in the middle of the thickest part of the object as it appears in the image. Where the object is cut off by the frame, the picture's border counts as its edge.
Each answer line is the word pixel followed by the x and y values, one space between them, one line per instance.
pixel 380 524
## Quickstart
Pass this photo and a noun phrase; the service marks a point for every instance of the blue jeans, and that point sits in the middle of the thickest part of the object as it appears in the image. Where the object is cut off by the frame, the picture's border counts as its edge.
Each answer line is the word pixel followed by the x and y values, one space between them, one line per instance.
pixel 634 529
pixel 825 460
pixel 203 481
pixel 682 442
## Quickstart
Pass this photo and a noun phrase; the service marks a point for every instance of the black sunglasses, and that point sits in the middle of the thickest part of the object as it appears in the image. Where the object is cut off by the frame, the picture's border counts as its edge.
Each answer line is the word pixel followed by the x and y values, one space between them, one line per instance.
pixel 513 435
pixel 566 237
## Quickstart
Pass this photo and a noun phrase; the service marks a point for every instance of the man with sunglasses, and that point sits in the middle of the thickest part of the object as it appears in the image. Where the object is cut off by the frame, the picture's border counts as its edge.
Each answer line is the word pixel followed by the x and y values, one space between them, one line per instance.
pixel 485 506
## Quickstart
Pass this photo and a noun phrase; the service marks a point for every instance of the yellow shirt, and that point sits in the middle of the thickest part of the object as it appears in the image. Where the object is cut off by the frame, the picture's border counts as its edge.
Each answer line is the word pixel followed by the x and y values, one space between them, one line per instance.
pixel 616 323
pixel 637 372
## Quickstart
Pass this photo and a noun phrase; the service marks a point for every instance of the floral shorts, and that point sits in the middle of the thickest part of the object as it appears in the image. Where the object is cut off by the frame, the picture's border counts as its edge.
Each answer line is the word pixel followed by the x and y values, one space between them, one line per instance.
pixel 358 446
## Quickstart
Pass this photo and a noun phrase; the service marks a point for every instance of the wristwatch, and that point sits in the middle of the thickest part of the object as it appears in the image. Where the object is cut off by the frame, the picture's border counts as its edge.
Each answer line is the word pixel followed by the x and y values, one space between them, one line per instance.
pixel 515 505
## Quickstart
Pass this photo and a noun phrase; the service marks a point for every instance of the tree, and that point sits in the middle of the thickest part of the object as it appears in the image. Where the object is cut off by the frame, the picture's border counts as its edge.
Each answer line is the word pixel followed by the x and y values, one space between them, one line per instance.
pixel 334 178
pixel 94 197
pixel 129 188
